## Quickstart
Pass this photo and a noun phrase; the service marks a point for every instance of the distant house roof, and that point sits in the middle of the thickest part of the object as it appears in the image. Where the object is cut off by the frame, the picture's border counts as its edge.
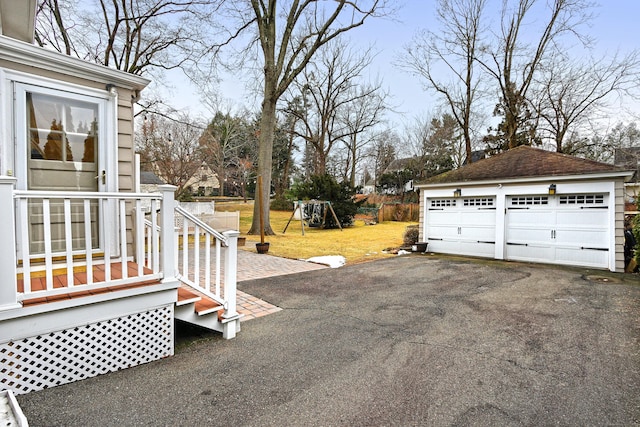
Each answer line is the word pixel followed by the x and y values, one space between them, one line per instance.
pixel 400 164
pixel 150 178
pixel 522 162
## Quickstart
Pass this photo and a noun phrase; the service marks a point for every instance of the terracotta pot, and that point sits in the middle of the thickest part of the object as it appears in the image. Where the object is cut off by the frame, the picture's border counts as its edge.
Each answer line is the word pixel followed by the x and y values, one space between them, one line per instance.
pixel 262 248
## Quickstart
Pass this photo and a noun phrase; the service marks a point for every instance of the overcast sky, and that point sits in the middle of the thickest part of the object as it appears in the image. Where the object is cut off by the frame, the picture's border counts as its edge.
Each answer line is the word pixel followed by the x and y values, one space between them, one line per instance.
pixel 615 27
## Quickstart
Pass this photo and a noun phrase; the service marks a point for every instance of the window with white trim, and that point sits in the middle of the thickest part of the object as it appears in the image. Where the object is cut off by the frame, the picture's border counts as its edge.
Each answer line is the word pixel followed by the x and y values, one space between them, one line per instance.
pixel 582 199
pixel 442 203
pixel 529 200
pixel 478 201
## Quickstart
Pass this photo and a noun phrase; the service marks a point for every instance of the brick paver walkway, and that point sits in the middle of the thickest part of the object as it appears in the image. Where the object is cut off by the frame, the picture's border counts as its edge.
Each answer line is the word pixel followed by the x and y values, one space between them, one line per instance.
pixel 252 266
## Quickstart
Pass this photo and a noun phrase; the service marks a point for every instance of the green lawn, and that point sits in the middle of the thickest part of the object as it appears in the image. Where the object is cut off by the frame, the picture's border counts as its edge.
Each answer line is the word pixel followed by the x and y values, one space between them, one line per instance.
pixel 358 243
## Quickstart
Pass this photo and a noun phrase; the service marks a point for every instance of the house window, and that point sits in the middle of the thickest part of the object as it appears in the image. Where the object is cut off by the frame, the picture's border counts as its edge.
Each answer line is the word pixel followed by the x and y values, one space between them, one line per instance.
pixel 582 199
pixel 529 200
pixel 61 129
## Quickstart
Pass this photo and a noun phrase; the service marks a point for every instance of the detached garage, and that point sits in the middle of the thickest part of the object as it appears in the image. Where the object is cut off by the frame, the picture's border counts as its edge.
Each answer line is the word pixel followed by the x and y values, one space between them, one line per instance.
pixel 528 204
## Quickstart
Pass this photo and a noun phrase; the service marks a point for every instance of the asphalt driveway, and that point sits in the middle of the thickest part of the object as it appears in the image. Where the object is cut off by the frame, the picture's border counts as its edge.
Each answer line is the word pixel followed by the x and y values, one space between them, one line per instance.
pixel 415 340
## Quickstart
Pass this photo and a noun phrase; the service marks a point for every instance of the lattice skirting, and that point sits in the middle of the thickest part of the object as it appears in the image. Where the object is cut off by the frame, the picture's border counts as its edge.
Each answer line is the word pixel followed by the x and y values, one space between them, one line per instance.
pixel 73 354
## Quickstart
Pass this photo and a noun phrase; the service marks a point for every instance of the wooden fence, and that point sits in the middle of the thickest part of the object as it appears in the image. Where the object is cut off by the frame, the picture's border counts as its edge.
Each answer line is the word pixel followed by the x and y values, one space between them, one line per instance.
pixel 407 212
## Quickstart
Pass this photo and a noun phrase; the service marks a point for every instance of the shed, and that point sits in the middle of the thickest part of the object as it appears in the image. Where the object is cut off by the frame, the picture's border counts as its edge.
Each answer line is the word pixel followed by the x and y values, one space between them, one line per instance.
pixel 528 204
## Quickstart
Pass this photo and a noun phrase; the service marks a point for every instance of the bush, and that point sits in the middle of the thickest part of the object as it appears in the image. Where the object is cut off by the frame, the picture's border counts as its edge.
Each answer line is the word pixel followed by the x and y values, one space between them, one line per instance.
pixel 281 204
pixel 326 188
pixel 411 235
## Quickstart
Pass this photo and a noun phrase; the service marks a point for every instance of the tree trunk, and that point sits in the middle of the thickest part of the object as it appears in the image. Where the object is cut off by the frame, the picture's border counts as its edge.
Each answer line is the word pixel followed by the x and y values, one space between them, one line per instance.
pixel 265 159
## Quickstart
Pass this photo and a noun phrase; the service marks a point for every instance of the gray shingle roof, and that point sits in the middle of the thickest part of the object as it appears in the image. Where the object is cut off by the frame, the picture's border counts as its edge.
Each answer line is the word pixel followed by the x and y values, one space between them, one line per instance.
pixel 150 178
pixel 522 162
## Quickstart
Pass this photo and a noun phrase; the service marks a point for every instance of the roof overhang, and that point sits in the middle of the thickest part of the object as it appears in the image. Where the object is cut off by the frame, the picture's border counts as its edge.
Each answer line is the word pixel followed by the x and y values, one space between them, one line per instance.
pixel 17 19
pixel 600 176
pixel 35 56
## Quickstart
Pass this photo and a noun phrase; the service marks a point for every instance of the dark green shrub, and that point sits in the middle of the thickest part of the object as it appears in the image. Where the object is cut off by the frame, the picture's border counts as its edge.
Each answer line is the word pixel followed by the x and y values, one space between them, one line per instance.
pixel 326 188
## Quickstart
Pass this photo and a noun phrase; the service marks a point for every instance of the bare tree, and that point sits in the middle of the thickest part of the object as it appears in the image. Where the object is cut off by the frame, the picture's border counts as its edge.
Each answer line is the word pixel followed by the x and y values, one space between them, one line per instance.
pixel 136 36
pixel 513 62
pixel 360 119
pixel 170 149
pixel 571 93
pixel 336 106
pixel 454 46
pixel 289 37
pixel 222 144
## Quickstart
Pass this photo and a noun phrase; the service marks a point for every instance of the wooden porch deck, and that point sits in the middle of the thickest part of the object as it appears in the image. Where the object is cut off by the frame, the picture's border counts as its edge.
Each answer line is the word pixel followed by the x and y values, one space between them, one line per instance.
pixel 38 282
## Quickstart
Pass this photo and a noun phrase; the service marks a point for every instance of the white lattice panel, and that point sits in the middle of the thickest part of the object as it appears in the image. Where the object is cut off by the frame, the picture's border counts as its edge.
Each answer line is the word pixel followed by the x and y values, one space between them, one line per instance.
pixel 86 351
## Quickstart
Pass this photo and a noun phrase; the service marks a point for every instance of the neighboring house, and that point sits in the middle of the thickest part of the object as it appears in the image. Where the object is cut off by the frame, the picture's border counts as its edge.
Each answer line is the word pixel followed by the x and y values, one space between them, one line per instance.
pixel 149 182
pixel 85 288
pixel 528 204
pixel 203 182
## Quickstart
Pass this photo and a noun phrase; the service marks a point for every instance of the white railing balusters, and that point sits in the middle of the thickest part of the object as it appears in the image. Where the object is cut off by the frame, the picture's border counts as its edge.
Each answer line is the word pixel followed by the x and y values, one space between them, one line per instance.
pixel 105 206
pixel 123 239
pixel 196 253
pixel 68 241
pixel 207 261
pixel 64 217
pixel 218 270
pixel 155 241
pixel 225 244
pixel 48 261
pixel 140 231
pixel 88 246
pixel 155 237
pixel 24 243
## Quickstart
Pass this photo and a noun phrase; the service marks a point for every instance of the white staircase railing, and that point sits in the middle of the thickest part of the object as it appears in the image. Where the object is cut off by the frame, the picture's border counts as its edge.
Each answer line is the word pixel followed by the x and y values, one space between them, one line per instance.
pixel 194 256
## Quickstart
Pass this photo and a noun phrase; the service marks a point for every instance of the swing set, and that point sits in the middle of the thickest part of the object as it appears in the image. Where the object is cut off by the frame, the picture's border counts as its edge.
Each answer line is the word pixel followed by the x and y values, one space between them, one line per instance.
pixel 314 212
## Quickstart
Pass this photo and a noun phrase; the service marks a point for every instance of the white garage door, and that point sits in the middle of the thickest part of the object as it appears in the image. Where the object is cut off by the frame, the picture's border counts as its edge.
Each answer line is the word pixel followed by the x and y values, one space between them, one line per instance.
pixel 465 226
pixel 561 229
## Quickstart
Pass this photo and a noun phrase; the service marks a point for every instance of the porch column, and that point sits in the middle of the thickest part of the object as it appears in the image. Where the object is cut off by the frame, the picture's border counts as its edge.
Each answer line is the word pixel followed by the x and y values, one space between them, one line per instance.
pixel 230 285
pixel 8 286
pixel 168 233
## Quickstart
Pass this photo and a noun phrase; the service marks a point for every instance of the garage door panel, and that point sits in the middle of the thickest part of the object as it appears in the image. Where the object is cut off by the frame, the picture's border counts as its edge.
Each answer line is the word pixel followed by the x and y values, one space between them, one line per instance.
pixel 524 234
pixel 583 237
pixel 483 233
pixel 589 217
pixel 442 218
pixel 583 257
pixel 443 232
pixel 529 217
pixel 476 216
pixel 529 252
pixel 483 249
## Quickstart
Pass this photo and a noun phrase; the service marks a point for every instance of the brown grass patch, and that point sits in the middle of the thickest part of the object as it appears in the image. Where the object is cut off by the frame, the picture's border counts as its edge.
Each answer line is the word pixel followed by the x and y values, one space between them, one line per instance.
pixel 358 243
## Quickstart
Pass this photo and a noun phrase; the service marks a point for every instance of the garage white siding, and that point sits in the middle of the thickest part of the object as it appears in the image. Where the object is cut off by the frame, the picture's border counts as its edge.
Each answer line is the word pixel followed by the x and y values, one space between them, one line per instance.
pixel 464 226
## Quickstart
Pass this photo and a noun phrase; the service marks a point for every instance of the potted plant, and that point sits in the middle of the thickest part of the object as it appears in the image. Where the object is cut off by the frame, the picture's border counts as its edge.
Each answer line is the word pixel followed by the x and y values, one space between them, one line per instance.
pixel 262 247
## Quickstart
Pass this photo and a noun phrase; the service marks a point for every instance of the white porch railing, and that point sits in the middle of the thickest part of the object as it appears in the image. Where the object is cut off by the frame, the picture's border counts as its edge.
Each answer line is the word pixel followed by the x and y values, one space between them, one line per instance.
pixel 92 229
pixel 195 241
pixel 108 231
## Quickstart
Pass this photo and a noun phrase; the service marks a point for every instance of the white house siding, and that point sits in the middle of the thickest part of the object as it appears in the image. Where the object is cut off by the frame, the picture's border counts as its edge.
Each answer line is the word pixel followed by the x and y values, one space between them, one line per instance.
pixel 612 217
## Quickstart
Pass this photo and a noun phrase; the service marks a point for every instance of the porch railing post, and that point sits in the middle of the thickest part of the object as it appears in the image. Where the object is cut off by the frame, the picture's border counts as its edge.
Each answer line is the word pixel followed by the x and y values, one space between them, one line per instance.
pixel 230 285
pixel 168 234
pixel 8 286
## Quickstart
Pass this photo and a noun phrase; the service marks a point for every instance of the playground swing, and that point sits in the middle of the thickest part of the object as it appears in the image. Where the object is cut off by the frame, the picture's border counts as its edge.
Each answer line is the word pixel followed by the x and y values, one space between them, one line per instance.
pixel 315 214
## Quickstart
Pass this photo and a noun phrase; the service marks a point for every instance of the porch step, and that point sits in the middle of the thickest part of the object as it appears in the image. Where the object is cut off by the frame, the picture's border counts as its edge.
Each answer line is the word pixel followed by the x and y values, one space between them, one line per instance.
pixel 202 303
